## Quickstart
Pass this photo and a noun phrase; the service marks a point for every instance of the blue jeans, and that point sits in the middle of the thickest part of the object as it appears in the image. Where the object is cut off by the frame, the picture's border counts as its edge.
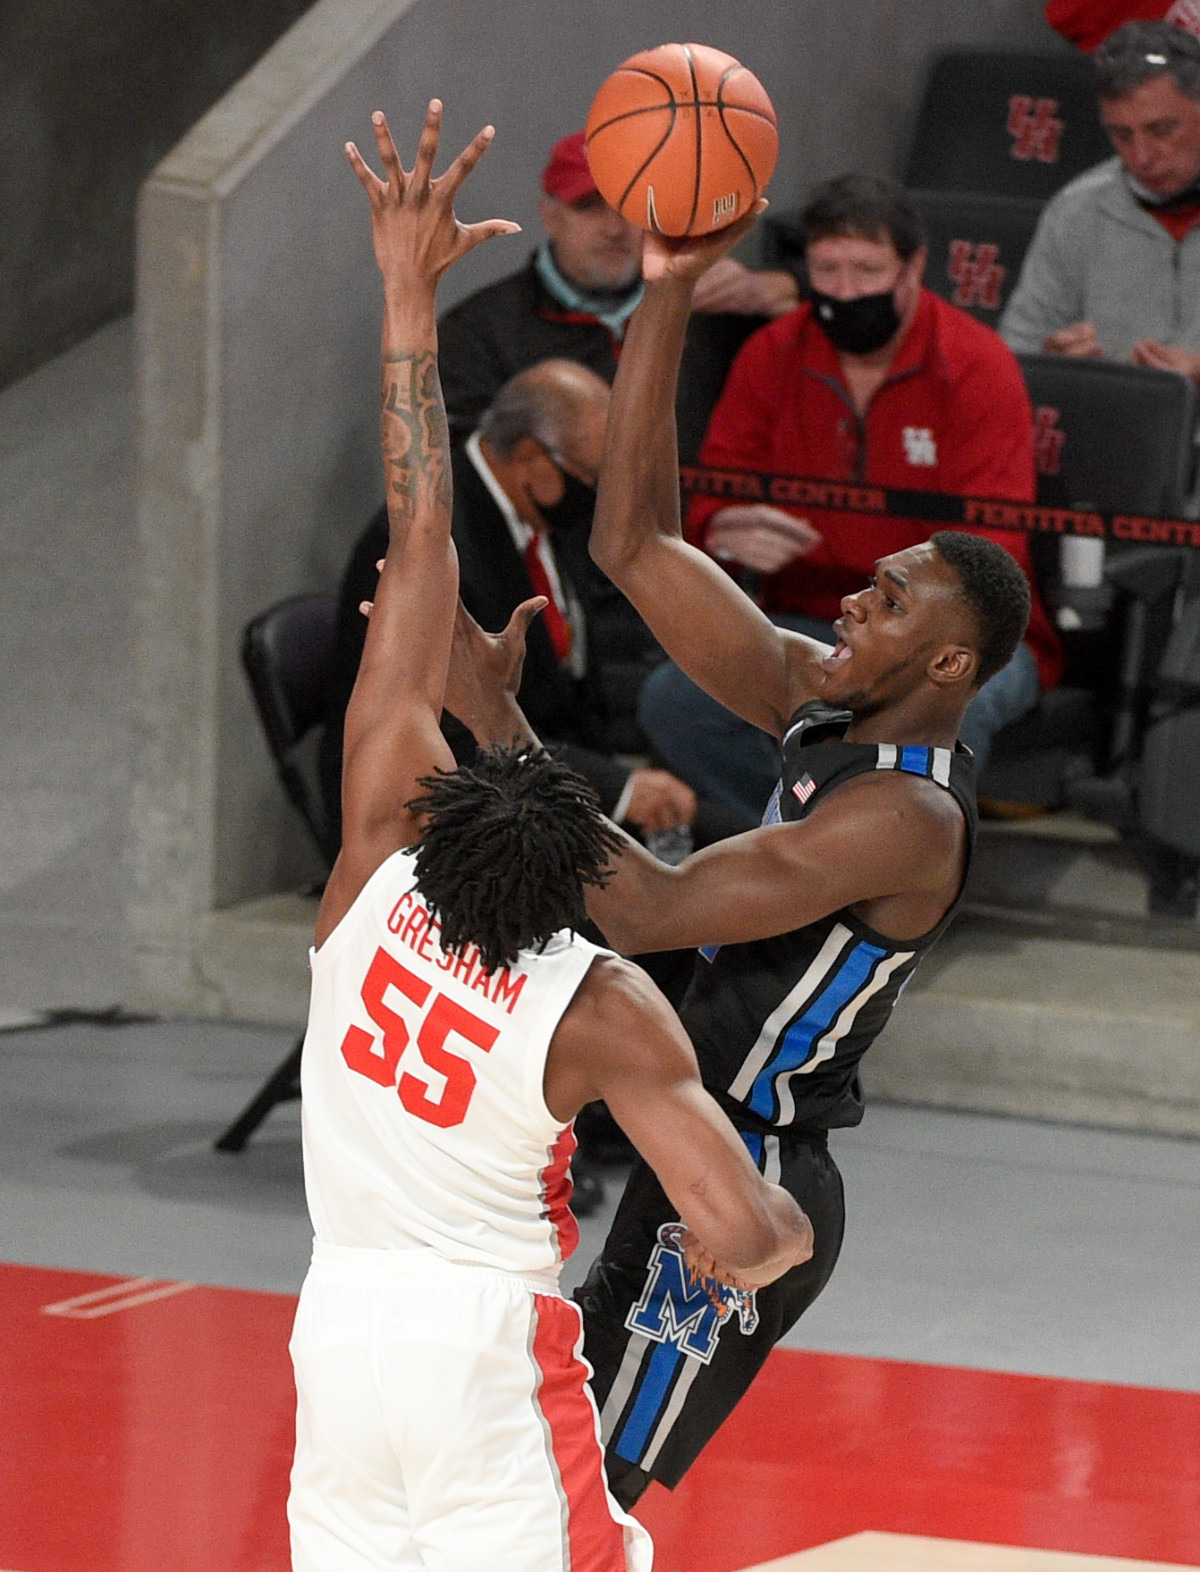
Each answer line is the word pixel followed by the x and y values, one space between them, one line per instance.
pixel 727 759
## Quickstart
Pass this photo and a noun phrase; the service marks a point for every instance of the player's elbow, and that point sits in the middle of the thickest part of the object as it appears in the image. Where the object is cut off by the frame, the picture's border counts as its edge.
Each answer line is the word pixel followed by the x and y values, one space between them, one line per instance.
pixel 611 548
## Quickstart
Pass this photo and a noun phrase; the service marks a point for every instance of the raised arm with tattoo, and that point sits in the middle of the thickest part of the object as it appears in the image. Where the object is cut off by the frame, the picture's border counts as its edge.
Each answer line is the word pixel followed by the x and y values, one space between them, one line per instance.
pixel 392 723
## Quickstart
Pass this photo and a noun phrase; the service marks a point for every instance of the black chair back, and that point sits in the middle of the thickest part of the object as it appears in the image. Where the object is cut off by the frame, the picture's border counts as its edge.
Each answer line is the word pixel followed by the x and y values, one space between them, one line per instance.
pixel 287 653
pixel 976 246
pixel 1009 123
pixel 1109 435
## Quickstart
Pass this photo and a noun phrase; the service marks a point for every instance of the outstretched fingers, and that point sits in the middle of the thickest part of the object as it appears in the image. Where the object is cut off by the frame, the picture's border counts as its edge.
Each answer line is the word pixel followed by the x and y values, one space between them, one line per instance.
pixel 387 152
pixel 487 229
pixel 367 178
pixel 422 173
pixel 518 623
pixel 466 160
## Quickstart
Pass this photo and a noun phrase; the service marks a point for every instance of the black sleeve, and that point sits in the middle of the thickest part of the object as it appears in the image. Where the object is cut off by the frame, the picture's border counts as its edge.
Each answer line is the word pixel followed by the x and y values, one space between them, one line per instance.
pixel 471 364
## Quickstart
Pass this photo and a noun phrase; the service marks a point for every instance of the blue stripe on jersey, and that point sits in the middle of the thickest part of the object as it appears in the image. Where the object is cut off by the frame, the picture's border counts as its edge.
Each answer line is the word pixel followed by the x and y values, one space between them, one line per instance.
pixel 801 1036
pixel 635 1434
pixel 914 760
pixel 754 1145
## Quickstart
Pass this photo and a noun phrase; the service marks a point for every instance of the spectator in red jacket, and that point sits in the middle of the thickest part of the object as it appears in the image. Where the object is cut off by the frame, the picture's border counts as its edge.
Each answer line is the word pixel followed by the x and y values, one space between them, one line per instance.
pixel 1089 22
pixel 875 380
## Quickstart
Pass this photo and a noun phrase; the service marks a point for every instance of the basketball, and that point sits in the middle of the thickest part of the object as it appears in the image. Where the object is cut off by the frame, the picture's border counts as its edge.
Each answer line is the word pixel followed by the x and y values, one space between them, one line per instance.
pixel 681 139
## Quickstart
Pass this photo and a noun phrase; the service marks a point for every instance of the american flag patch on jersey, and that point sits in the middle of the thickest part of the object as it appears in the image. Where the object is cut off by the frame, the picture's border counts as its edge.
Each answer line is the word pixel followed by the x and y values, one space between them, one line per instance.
pixel 804 788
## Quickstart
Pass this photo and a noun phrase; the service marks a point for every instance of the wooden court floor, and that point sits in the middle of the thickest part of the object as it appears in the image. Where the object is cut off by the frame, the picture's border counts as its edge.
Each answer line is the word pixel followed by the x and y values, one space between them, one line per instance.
pixel 147 1425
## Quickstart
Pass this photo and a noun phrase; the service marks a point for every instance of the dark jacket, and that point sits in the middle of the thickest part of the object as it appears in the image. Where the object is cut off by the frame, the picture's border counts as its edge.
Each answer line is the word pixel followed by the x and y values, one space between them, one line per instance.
pixel 493 581
pixel 516 322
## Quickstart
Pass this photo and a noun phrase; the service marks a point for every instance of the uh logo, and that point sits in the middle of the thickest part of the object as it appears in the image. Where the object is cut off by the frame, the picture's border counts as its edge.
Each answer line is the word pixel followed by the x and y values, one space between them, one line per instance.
pixel 673 1309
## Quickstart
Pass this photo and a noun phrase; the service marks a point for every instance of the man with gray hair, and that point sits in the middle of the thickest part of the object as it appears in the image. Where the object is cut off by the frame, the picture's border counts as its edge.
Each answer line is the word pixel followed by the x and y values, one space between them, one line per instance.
pixel 524 489
pixel 1113 270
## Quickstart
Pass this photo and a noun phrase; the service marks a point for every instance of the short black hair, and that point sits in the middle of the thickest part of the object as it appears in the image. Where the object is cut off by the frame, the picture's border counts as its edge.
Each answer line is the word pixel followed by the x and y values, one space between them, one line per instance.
pixel 863 206
pixel 509 842
pixel 995 589
pixel 1141 50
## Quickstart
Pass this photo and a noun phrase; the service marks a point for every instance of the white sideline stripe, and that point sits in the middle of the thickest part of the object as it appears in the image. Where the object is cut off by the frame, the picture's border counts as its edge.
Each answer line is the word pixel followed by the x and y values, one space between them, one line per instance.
pixel 908 1553
pixel 116 1297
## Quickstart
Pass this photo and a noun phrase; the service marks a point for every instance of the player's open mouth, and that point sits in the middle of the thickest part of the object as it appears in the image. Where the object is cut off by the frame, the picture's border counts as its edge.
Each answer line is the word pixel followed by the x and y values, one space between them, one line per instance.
pixel 841 654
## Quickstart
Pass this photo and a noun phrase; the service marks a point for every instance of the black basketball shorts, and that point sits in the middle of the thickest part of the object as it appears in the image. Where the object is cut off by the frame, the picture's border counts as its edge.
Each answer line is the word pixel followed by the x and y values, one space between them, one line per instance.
pixel 669 1364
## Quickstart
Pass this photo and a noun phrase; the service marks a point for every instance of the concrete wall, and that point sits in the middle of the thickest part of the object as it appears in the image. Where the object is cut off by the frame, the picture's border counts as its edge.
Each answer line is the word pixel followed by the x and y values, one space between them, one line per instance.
pixel 91 97
pixel 257 322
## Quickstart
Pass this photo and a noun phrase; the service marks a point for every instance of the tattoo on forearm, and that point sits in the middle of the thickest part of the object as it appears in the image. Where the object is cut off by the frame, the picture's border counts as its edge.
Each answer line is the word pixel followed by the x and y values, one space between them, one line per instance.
pixel 416 441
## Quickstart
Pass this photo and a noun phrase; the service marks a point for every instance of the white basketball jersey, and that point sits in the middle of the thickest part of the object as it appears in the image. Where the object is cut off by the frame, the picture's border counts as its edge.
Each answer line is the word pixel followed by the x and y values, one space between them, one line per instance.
pixel 425 1124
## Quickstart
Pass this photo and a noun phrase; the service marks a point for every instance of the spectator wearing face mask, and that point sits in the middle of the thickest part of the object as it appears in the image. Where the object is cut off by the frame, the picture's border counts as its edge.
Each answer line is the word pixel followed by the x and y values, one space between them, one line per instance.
pixel 873 380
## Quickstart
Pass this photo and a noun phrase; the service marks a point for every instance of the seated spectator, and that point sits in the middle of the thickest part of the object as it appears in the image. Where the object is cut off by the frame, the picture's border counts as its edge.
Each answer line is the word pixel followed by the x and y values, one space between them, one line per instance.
pixel 1113 270
pixel 523 497
pixel 574 296
pixel 1089 22
pixel 876 381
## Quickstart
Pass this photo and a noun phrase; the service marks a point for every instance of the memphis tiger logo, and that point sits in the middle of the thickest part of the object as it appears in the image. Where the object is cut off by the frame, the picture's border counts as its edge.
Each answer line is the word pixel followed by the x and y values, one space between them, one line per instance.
pixel 673 1309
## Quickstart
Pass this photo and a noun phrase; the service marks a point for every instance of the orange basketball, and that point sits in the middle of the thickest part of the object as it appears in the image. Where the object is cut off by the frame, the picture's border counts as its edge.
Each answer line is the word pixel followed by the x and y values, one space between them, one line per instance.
pixel 681 139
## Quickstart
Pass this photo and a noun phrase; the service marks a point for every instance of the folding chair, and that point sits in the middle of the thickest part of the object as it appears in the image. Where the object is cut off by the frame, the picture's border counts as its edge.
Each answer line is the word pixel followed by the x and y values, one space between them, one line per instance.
pixel 1116 437
pixel 286 652
pixel 1006 122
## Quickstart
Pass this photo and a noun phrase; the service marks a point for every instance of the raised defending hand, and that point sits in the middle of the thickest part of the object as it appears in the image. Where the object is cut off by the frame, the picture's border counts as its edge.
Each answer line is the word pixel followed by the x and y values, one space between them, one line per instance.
pixel 664 257
pixel 415 232
pixel 485 674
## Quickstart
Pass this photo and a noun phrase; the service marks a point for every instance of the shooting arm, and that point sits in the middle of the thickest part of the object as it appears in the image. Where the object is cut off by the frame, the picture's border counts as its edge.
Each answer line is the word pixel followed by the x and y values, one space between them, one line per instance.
pixel 392 732
pixel 874 839
pixel 701 618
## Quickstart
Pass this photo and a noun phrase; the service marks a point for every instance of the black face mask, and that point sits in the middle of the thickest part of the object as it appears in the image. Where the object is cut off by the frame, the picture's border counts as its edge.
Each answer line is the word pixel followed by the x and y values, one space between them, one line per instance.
pixel 574 508
pixel 857 327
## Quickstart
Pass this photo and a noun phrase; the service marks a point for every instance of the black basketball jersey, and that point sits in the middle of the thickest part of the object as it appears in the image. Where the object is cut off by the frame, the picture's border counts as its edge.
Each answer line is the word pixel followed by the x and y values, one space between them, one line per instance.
pixel 779 1025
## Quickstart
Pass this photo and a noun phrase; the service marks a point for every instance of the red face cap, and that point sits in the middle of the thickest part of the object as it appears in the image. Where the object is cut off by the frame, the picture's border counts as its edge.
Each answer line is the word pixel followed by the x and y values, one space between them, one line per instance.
pixel 567 175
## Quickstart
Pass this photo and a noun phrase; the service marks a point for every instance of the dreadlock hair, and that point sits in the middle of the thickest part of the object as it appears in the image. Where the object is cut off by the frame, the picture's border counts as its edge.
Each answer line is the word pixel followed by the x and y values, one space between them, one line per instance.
pixel 509 843
pixel 996 591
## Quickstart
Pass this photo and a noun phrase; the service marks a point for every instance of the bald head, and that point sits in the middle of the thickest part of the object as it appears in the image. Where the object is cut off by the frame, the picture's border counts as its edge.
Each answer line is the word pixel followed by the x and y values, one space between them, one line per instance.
pixel 559 404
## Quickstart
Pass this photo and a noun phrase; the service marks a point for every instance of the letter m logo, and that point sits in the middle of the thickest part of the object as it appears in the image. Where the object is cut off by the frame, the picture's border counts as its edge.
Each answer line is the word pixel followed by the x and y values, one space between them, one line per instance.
pixel 1035 128
pixel 690 1315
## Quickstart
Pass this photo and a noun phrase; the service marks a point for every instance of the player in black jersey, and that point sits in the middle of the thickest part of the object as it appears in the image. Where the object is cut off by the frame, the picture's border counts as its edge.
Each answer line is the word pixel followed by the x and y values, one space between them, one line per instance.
pixel 808 927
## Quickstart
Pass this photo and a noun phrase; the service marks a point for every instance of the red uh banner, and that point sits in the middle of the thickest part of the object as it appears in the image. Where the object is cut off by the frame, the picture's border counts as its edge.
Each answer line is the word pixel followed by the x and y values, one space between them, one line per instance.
pixel 975 271
pixel 1048 440
pixel 1035 128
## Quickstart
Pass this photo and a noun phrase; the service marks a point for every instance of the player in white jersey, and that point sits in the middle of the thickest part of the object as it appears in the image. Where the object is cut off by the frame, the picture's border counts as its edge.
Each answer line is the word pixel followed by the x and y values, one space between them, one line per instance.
pixel 457 1025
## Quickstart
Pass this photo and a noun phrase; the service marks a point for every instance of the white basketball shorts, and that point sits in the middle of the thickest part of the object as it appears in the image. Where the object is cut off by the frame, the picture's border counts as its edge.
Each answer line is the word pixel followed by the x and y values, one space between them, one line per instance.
pixel 444 1424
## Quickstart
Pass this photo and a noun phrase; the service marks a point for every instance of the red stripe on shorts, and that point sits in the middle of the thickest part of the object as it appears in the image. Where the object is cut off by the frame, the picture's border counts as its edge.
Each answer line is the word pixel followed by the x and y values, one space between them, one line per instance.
pixel 596 1539
pixel 556 1191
